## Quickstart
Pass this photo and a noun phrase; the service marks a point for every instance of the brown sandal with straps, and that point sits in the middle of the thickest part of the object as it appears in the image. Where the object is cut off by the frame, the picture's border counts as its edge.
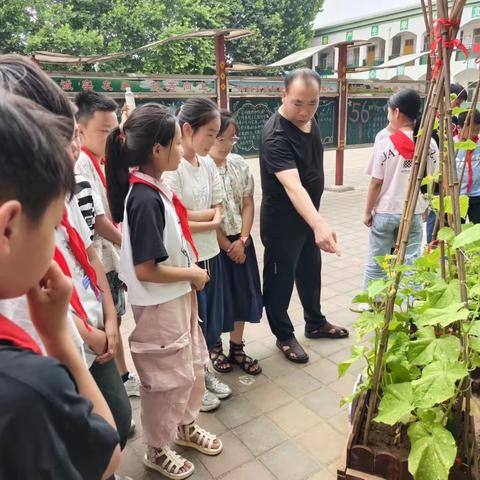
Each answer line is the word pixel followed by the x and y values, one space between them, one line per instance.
pixel 246 363
pixel 221 363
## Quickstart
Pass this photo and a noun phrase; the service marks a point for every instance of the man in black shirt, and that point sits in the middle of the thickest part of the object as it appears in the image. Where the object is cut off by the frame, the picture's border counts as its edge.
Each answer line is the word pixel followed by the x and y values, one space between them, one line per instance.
pixel 292 230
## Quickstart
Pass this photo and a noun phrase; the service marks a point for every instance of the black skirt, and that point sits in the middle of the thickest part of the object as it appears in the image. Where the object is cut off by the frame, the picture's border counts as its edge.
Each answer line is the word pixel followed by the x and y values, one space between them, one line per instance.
pixel 241 288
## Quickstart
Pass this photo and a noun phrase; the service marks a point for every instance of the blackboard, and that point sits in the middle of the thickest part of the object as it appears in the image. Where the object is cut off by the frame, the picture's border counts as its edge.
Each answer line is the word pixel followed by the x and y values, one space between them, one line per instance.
pixel 327 118
pixel 252 113
pixel 365 118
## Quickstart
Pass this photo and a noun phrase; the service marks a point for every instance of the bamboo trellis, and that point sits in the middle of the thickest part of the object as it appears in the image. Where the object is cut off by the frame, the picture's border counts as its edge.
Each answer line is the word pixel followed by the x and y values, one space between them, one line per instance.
pixel 441 32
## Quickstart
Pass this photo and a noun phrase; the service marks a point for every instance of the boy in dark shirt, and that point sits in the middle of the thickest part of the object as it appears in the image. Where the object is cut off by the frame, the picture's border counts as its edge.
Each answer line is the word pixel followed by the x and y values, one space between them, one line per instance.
pixel 54 422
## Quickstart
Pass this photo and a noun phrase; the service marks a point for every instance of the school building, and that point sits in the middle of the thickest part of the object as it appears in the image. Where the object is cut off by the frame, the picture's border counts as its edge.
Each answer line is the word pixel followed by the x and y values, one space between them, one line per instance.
pixel 390 37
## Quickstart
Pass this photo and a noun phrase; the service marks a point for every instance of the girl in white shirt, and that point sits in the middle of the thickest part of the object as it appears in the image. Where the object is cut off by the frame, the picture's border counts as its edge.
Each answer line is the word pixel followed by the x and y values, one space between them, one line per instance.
pixel 242 292
pixel 390 171
pixel 157 263
pixel 198 185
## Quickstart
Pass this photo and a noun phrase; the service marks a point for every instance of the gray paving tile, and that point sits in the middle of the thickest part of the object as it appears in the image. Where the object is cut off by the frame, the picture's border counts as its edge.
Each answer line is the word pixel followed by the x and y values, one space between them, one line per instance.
pixel 324 444
pixel 294 418
pixel 298 383
pixel 324 402
pixel 289 462
pixel 234 454
pixel 237 411
pixel 268 397
pixel 249 471
pixel 260 435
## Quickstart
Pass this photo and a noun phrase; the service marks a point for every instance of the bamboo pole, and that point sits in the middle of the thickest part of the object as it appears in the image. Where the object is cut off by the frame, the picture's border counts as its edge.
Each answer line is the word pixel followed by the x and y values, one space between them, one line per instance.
pixel 438 91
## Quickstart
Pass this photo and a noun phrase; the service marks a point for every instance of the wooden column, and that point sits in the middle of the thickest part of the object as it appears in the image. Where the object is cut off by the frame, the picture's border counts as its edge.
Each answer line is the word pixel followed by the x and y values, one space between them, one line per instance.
pixel 342 112
pixel 220 66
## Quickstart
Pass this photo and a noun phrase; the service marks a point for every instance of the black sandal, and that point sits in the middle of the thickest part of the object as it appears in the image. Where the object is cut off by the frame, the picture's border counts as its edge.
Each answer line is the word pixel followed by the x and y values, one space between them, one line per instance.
pixel 327 331
pixel 248 364
pixel 292 350
pixel 220 361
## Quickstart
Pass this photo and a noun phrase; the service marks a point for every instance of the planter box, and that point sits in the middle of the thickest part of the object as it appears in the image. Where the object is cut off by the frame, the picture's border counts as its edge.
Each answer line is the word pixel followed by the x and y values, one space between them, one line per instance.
pixel 360 462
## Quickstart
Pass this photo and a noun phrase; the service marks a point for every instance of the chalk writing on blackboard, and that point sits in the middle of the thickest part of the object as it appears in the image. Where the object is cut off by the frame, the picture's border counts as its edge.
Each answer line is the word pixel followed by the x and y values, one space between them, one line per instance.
pixel 251 118
pixel 366 117
pixel 327 121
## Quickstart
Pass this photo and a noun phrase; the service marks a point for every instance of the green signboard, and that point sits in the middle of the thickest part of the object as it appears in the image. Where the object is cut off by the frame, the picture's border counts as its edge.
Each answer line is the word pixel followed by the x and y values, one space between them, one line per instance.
pixel 349 36
pixel 173 86
pixel 252 114
pixel 375 30
pixel 404 24
pixel 476 11
pixel 325 40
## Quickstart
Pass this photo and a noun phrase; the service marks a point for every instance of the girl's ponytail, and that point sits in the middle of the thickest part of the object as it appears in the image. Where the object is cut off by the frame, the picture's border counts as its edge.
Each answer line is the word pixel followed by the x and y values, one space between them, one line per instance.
pixel 131 146
pixel 117 174
pixel 416 127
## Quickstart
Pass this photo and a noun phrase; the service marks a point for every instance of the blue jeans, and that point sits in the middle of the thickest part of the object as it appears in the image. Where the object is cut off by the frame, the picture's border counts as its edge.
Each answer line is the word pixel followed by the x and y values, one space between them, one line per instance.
pixel 383 235
pixel 432 218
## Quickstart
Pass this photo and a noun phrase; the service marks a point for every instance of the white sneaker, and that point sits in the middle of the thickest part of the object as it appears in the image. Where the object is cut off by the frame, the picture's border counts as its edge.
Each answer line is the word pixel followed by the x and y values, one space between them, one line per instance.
pixel 209 402
pixel 132 385
pixel 214 385
pixel 133 427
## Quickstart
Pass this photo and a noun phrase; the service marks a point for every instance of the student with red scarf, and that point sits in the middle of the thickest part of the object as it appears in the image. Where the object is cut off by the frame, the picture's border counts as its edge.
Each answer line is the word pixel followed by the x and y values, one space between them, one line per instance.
pixel 54 422
pixel 468 165
pixel 390 172
pixel 157 263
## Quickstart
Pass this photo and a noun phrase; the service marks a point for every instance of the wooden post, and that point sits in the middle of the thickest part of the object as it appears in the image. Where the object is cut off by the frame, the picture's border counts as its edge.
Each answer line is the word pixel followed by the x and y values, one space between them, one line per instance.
pixel 221 70
pixel 342 112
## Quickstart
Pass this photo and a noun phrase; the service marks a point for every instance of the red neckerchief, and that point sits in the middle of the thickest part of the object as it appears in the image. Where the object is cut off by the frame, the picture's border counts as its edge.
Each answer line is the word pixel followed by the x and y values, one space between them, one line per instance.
pixel 405 145
pixel 96 165
pixel 180 209
pixel 75 302
pixel 16 335
pixel 468 160
pixel 79 251
pixel 99 171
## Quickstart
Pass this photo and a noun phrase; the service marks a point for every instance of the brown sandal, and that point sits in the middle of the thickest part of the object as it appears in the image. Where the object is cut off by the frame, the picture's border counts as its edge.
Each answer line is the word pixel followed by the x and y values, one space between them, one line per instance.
pixel 221 363
pixel 292 350
pixel 247 364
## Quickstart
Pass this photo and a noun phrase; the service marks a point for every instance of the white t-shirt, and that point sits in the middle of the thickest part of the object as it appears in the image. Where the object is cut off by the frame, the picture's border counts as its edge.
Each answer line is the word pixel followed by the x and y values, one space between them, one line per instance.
pixel 199 187
pixel 17 309
pixel 388 165
pixel 108 253
pixel 381 135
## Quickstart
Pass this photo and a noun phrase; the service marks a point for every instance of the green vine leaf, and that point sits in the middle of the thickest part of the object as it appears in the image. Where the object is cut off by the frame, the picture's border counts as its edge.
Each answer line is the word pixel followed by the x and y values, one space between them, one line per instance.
pixel 428 347
pixel 443 316
pixel 376 287
pixel 437 382
pixel 357 353
pixel 473 328
pixel 463 202
pixel 368 322
pixel 396 404
pixel 443 294
pixel 467 237
pixel 446 233
pixel 433 451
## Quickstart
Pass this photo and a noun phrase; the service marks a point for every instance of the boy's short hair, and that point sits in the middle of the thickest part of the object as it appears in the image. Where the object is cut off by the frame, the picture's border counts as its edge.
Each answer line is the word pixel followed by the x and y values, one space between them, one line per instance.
pixel 35 168
pixel 462 117
pixel 90 102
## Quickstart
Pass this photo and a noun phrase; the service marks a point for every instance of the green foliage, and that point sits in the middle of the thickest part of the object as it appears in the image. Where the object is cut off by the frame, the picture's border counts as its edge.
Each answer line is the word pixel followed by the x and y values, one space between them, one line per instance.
pixel 463 202
pixel 432 453
pixel 396 404
pixel 425 363
pixel 106 26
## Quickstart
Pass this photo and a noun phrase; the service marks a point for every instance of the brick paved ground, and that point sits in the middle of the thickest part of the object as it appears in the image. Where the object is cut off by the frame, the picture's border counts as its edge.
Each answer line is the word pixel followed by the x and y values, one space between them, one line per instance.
pixel 287 424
